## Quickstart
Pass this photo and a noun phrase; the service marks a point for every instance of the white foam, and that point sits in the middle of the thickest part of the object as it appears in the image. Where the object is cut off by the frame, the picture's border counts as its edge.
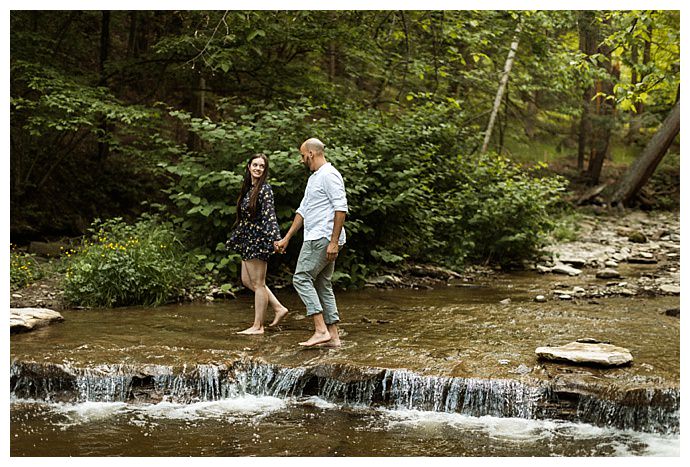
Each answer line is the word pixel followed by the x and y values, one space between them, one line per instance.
pixel 224 408
pixel 518 429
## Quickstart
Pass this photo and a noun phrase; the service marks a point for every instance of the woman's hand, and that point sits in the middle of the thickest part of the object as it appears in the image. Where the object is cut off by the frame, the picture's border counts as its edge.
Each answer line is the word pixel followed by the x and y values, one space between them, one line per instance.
pixel 281 245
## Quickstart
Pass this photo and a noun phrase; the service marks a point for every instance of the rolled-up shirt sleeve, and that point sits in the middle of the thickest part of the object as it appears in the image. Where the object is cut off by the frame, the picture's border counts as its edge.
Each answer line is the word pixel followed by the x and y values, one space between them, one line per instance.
pixel 335 190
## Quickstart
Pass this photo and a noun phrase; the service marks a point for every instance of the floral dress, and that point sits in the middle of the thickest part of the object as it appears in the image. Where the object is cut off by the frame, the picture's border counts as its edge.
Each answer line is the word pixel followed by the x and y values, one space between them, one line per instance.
pixel 253 238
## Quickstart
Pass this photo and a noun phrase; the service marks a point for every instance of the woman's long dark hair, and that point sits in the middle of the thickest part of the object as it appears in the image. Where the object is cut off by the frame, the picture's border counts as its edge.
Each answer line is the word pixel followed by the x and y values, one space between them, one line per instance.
pixel 247 185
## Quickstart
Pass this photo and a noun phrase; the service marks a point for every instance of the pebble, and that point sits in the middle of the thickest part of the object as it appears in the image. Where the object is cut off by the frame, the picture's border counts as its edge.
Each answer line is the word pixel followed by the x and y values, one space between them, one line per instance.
pixel 540 298
pixel 505 301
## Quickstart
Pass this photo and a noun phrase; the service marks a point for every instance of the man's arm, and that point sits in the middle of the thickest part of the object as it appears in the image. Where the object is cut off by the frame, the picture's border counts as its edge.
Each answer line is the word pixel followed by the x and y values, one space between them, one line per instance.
pixel 297 224
pixel 333 248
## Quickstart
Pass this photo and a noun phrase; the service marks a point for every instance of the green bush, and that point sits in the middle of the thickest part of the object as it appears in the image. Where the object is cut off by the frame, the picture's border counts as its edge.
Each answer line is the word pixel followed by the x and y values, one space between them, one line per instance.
pixel 415 191
pixel 507 211
pixel 123 264
pixel 24 269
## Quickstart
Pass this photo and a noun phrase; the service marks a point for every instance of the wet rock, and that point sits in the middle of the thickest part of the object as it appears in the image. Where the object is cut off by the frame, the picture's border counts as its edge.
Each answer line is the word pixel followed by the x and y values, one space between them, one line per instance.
pixel 27 319
pixel 384 280
pixel 637 237
pixel 565 269
pixel 639 259
pixel 608 273
pixel 522 369
pixel 576 261
pixel 670 289
pixel 675 312
pixel 436 272
pixel 580 352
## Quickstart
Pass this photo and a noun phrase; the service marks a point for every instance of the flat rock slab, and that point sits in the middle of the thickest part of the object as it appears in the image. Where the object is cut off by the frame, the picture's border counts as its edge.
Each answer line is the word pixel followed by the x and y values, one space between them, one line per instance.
pixel 27 319
pixel 589 353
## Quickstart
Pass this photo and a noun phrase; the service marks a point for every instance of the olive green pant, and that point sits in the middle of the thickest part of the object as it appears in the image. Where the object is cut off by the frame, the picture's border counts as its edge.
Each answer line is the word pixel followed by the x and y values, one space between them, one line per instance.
pixel 312 280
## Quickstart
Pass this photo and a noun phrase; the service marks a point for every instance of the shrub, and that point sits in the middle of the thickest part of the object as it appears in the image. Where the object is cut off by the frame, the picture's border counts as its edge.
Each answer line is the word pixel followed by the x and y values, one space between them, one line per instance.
pixel 24 269
pixel 123 264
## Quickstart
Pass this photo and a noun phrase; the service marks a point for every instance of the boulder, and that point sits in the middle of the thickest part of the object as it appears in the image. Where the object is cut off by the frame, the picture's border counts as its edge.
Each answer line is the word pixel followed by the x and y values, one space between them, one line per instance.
pixel 27 319
pixel 587 353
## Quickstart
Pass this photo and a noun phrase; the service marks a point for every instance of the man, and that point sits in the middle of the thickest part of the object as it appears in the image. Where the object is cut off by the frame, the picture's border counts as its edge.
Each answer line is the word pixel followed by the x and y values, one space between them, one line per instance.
pixel 322 213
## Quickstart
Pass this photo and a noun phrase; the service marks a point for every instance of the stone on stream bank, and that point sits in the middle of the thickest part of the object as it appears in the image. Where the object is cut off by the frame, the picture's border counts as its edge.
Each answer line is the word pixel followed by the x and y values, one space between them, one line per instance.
pixel 28 319
pixel 595 353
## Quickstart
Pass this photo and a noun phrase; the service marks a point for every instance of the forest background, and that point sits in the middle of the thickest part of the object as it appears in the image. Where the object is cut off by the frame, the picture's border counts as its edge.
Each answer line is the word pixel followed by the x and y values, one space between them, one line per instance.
pixel 130 131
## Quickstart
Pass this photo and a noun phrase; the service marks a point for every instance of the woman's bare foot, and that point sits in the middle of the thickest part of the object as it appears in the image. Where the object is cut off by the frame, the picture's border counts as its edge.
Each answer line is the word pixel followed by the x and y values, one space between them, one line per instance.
pixel 252 331
pixel 280 314
pixel 317 338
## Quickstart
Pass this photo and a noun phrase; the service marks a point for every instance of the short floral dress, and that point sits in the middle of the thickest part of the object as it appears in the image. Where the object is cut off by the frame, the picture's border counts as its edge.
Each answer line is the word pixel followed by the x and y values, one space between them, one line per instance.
pixel 253 238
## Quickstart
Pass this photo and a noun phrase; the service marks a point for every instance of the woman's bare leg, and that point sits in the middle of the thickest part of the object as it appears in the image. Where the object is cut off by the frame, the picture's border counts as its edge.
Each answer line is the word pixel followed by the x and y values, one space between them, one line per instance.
pixel 280 310
pixel 254 277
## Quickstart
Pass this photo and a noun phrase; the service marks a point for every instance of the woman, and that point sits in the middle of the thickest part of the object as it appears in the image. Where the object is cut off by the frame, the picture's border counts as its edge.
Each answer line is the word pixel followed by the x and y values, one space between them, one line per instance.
pixel 255 230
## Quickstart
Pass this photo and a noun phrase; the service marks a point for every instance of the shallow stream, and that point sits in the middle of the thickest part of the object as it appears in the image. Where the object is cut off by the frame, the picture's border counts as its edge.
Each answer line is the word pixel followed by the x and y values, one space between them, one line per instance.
pixel 444 372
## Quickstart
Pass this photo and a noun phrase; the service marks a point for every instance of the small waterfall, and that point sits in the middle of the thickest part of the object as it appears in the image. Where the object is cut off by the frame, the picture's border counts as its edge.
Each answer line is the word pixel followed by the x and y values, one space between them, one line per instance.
pixel 196 383
pixel 476 397
pixel 641 408
pixel 265 379
pixel 360 393
pixel 103 383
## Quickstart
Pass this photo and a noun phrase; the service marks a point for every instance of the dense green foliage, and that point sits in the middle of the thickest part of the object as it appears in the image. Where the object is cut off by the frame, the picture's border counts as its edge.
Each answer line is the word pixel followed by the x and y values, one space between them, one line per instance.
pixel 123 264
pixel 115 114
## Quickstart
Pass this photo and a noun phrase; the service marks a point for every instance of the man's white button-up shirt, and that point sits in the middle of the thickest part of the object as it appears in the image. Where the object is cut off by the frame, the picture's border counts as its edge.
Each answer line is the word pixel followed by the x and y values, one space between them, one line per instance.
pixel 324 195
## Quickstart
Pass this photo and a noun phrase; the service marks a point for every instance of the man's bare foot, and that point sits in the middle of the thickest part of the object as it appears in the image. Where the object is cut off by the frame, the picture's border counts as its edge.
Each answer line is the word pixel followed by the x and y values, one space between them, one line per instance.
pixel 252 331
pixel 331 344
pixel 317 338
pixel 279 316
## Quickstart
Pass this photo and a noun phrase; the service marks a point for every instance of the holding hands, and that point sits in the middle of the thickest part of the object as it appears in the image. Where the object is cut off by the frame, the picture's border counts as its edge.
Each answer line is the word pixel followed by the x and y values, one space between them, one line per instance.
pixel 281 245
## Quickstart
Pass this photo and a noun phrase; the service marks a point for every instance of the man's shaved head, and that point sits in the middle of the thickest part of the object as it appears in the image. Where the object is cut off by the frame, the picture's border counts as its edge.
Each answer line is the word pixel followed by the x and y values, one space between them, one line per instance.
pixel 313 145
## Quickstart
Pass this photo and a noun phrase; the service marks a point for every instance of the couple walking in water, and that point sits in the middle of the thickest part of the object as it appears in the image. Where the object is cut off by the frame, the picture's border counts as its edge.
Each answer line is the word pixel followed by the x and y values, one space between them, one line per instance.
pixel 256 237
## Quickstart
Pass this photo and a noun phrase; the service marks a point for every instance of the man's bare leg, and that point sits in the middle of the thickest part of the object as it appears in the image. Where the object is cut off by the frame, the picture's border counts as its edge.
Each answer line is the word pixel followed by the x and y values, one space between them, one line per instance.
pixel 321 333
pixel 335 338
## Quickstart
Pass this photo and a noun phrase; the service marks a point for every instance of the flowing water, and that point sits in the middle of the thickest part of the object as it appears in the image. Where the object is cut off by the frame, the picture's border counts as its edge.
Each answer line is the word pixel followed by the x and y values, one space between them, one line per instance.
pixel 445 372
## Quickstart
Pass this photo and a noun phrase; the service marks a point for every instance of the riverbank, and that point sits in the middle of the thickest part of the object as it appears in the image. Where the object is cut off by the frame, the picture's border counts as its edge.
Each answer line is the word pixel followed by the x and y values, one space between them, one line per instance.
pixel 615 253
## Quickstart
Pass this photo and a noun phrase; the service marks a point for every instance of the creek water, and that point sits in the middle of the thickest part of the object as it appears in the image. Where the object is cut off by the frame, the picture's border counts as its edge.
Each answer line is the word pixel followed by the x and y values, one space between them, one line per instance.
pixel 443 372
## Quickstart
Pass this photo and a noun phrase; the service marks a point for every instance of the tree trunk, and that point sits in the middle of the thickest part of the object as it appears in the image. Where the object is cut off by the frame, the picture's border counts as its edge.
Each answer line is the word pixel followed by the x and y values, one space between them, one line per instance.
pixel 198 103
pixel 642 169
pixel 603 122
pixel 502 87
pixel 589 37
pixel 103 148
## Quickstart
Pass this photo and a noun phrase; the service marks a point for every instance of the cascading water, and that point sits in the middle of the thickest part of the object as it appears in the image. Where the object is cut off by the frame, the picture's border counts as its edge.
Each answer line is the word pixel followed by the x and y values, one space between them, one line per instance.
pixel 396 389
